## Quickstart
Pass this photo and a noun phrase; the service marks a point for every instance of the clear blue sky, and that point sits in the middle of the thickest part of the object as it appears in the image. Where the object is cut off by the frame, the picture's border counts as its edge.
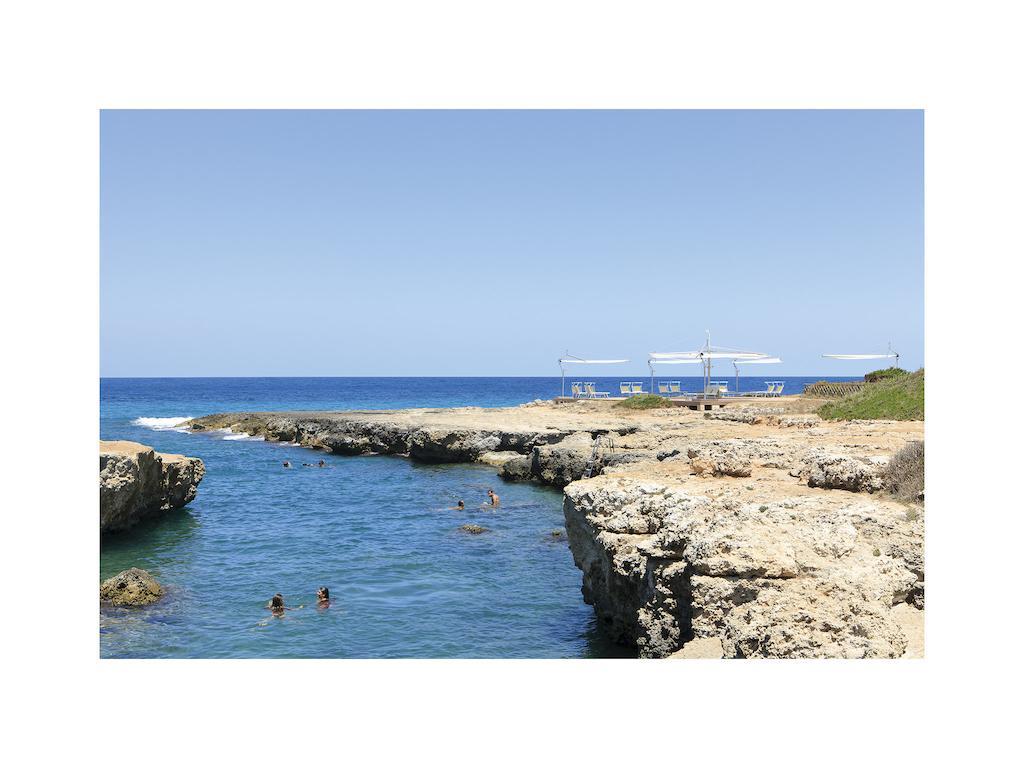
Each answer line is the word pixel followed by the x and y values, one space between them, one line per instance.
pixel 487 243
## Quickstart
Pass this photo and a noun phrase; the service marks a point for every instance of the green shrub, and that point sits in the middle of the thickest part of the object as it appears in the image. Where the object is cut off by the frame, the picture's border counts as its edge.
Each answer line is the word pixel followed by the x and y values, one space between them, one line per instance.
pixel 900 398
pixel 885 373
pixel 644 402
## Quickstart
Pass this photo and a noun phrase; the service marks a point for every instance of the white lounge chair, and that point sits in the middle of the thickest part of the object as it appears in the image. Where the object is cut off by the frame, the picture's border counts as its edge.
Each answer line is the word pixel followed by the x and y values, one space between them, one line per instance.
pixel 577 389
pixel 778 388
pixel 592 393
pixel 625 387
pixel 675 387
pixel 638 388
pixel 664 388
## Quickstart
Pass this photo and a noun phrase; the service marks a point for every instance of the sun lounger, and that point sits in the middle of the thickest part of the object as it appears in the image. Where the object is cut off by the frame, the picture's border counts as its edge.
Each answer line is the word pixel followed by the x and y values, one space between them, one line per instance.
pixel 577 389
pixel 625 387
pixel 592 393
pixel 638 388
pixel 664 388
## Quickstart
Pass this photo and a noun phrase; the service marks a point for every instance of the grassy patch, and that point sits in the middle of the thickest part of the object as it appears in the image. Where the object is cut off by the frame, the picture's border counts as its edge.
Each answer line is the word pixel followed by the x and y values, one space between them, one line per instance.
pixel 644 402
pixel 885 373
pixel 900 398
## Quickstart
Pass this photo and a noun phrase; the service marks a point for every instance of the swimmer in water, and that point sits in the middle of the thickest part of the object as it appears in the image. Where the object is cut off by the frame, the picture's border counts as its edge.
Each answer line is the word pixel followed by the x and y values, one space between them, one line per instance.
pixel 495 501
pixel 322 464
pixel 287 464
pixel 323 597
pixel 460 507
pixel 276 606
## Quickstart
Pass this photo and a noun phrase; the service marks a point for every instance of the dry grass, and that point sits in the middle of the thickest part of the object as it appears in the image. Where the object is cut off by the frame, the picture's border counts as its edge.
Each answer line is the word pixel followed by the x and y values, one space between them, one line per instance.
pixel 904 475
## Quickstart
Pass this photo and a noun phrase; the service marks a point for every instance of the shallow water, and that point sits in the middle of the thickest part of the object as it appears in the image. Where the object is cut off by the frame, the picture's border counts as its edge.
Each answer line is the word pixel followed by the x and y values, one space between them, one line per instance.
pixel 378 531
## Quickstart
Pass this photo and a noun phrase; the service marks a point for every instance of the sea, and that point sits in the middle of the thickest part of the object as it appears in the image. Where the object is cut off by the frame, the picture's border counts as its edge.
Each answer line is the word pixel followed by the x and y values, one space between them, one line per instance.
pixel 378 531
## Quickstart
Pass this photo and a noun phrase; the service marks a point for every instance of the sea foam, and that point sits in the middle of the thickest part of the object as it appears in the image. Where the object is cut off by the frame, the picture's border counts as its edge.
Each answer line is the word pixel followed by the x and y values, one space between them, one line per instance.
pixel 163 423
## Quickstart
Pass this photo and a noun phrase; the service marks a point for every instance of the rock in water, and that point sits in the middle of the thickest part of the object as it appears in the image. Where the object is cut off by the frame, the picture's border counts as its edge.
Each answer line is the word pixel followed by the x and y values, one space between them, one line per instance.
pixel 131 588
pixel 137 482
pixel 473 528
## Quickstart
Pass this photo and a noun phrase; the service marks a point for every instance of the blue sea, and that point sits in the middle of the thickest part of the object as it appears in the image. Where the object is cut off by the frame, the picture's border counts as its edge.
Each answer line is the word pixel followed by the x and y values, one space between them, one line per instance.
pixel 379 531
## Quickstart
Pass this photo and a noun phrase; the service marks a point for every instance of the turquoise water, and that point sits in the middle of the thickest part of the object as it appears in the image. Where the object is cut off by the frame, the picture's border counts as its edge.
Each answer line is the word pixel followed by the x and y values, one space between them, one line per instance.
pixel 377 530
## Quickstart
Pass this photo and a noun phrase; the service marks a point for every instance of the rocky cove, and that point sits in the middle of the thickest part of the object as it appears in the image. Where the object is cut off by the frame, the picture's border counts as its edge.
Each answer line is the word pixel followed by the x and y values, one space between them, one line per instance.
pixel 741 533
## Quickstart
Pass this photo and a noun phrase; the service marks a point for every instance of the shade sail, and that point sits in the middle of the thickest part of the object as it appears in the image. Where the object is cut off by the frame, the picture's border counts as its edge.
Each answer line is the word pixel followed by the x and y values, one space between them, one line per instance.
pixel 676 361
pixel 863 357
pixel 731 355
pixel 589 362
pixel 674 355
pixel 759 360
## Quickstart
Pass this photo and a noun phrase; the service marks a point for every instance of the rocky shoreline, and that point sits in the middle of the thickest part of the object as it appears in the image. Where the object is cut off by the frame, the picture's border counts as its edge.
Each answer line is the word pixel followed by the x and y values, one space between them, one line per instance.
pixel 137 482
pixel 749 532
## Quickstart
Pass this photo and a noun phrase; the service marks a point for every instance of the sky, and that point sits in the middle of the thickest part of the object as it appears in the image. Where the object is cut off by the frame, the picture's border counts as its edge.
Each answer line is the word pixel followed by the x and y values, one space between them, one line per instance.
pixel 489 243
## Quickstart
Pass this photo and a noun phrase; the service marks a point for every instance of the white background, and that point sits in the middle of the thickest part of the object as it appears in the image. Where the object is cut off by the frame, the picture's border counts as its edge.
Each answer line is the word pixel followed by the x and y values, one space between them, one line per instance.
pixel 62 62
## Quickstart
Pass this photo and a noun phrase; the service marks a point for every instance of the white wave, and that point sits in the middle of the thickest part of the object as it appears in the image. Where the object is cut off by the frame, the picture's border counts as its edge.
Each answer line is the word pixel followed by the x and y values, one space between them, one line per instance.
pixel 241 436
pixel 163 423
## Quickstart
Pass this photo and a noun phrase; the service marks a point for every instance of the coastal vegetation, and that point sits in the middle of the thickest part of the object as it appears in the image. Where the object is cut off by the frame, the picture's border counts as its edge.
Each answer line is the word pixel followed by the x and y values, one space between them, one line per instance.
pixel 900 398
pixel 643 402
pixel 904 474
pixel 885 373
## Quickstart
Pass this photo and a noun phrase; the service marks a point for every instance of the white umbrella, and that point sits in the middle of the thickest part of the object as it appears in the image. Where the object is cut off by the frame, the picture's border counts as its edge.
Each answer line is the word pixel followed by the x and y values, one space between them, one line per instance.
pixel 737 363
pixel 573 360
pixel 869 356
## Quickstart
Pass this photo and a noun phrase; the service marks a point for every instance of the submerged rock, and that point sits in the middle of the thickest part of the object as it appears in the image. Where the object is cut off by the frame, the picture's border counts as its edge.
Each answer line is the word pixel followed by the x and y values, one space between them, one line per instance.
pixel 133 587
pixel 473 528
pixel 137 482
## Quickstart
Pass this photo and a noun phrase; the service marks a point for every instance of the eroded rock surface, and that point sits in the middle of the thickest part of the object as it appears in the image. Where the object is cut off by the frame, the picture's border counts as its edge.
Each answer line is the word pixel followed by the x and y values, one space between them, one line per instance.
pixel 133 587
pixel 795 578
pixel 136 482
pixel 744 533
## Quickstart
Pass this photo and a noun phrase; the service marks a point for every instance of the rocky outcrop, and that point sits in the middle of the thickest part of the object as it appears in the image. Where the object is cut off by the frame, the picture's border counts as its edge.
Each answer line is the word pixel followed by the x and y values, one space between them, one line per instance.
pixel 797 578
pixel 136 482
pixel 757 534
pixel 133 587
pixel 847 473
pixel 473 528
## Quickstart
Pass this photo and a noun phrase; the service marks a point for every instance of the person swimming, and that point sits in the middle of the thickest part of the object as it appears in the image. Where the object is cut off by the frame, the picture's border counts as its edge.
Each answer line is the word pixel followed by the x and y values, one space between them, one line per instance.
pixel 320 465
pixel 323 597
pixel 277 607
pixel 460 507
pixel 495 500
pixel 286 464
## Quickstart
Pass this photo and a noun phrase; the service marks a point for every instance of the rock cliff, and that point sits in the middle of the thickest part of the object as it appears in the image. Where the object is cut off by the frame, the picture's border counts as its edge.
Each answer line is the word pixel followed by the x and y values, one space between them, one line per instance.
pixel 756 533
pixel 136 482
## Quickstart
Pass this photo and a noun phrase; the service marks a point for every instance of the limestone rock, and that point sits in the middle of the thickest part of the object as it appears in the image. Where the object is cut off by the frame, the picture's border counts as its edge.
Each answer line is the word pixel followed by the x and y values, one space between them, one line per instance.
pixel 137 482
pixel 701 648
pixel 560 463
pixel 798 577
pixel 133 587
pixel 827 470
pixel 473 528
pixel 519 468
